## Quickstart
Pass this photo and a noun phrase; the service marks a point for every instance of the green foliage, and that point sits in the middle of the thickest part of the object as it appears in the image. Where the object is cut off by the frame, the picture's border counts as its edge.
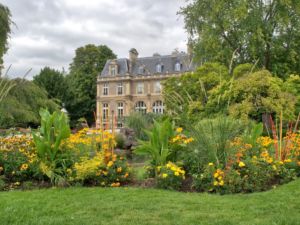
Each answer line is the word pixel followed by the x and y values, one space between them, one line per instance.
pixel 54 129
pixel 170 176
pixel 80 99
pixel 252 96
pixel 120 140
pixel 22 104
pixel 292 85
pixel 52 81
pixel 211 139
pixel 139 122
pixel 266 32
pixel 187 95
pixel 5 30
pixel 158 147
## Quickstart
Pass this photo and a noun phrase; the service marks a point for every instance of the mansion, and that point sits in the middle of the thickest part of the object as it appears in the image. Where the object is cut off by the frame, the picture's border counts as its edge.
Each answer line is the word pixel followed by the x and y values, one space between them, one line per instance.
pixel 134 84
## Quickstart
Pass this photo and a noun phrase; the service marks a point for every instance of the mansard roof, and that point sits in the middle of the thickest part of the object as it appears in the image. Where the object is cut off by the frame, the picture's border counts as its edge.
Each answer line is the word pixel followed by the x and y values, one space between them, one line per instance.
pixel 149 64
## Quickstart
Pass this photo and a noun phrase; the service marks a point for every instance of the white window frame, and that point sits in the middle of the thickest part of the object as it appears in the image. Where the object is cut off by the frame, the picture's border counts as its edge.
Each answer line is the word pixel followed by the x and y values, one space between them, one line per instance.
pixel 105 89
pixel 105 111
pixel 120 109
pixel 157 87
pixel 141 106
pixel 113 70
pixel 120 88
pixel 158 68
pixel 141 70
pixel 158 107
pixel 140 88
pixel 178 67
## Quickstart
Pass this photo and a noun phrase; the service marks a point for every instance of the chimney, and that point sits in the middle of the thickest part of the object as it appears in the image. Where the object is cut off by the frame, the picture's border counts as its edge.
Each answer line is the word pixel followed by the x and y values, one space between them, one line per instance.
pixel 133 54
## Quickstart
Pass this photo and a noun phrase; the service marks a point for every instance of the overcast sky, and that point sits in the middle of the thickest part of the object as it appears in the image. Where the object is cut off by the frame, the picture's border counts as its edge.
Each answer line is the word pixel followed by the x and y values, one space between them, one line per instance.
pixel 47 32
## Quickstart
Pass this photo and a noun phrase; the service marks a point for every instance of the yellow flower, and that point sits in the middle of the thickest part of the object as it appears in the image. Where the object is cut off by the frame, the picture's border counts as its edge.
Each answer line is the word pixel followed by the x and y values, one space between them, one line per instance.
pixel 24 166
pixel 1 169
pixel 176 173
pixel 274 167
pixel 216 175
pixel 119 170
pixel 164 175
pixel 17 183
pixel 210 164
pixel 242 164
pixel 216 183
pixel 270 160
pixel 221 183
pixel 179 130
pixel 126 175
pixel 105 172
pixel 158 168
pixel 117 184
pixel 287 160
pixel 110 163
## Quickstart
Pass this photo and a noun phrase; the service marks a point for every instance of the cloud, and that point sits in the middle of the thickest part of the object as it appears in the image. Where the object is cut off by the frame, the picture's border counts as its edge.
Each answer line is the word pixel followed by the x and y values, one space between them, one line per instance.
pixel 48 32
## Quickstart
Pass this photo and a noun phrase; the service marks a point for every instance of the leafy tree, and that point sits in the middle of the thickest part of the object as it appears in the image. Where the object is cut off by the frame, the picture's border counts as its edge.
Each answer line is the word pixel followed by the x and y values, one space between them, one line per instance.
pixel 5 30
pixel 292 85
pixel 266 32
pixel 52 81
pixel 22 104
pixel 186 96
pixel 251 96
pixel 87 64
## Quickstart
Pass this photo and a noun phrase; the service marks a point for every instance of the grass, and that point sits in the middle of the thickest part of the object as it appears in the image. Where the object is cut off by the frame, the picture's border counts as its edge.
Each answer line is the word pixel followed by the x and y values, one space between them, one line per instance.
pixel 122 206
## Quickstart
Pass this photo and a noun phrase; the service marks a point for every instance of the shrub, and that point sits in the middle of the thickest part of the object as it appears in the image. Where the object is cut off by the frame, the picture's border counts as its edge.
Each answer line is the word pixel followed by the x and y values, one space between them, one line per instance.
pixel 53 161
pixel 120 140
pixel 211 139
pixel 17 158
pixel 164 143
pixel 170 176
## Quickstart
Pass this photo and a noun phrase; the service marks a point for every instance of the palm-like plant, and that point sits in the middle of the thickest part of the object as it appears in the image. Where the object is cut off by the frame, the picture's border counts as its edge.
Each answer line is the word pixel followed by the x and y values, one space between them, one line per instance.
pixel 54 129
pixel 158 146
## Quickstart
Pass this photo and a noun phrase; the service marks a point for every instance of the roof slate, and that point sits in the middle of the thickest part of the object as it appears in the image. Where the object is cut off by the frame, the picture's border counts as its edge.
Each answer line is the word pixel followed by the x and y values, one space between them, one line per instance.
pixel 149 64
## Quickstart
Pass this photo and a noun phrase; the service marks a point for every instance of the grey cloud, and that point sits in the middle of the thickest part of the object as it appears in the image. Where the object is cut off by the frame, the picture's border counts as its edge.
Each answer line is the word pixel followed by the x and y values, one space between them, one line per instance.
pixel 64 25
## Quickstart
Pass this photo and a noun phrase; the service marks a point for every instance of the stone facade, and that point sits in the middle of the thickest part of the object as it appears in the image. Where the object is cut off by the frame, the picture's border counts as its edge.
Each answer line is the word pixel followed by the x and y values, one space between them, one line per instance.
pixel 134 84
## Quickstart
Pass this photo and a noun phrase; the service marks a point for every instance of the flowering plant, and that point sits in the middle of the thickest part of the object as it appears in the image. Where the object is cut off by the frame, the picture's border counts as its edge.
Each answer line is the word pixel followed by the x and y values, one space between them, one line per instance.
pixel 170 176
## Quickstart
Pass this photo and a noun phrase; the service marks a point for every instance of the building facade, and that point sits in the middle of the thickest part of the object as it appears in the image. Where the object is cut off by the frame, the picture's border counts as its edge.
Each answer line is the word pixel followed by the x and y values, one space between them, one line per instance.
pixel 134 84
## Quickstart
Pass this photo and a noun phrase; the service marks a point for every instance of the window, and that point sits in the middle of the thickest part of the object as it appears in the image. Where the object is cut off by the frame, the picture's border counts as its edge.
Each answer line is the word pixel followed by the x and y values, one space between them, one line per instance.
pixel 158 107
pixel 120 88
pixel 105 89
pixel 140 88
pixel 157 87
pixel 159 68
pixel 120 109
pixel 141 107
pixel 177 67
pixel 105 111
pixel 141 70
pixel 113 70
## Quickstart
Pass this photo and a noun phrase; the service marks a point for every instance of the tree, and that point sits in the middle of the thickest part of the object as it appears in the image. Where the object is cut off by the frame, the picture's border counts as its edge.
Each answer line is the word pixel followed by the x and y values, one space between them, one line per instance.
pixel 5 30
pixel 251 96
pixel 53 82
pixel 187 95
pixel 86 66
pixel 262 31
pixel 22 104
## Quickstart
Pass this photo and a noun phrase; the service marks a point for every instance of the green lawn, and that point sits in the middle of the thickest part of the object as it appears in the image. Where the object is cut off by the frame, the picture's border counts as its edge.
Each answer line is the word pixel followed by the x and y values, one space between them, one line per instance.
pixel 123 206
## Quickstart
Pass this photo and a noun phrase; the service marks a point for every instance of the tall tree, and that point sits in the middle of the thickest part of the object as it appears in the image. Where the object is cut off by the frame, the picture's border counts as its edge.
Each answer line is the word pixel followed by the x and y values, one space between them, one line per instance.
pixel 262 31
pixel 20 108
pixel 5 30
pixel 88 62
pixel 53 81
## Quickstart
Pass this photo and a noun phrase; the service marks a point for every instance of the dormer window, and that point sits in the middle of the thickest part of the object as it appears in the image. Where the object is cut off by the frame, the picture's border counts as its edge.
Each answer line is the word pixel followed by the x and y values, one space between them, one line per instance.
pixel 159 68
pixel 177 67
pixel 141 70
pixel 113 68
